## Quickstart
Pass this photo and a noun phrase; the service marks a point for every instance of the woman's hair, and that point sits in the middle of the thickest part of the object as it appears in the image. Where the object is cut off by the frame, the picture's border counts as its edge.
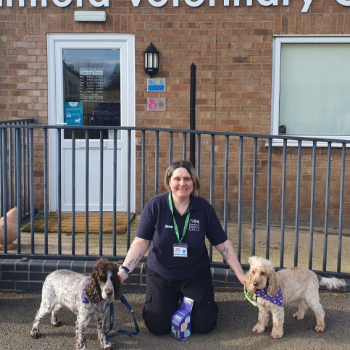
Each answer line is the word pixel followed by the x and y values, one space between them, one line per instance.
pixel 190 168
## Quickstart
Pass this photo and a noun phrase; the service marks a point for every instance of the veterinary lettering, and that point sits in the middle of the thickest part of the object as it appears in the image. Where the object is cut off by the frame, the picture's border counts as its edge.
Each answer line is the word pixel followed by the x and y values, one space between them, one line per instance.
pixel 59 3
pixel 161 3
pixel 226 3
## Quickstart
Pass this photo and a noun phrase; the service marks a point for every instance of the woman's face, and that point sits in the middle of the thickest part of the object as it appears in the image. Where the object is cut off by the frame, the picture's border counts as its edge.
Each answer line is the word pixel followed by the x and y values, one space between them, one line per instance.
pixel 181 183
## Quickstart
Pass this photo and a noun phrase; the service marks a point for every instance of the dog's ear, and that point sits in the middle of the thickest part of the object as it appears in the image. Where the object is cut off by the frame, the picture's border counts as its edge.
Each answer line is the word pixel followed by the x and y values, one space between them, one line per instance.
pixel 249 285
pixel 272 289
pixel 251 259
pixel 92 291
pixel 117 285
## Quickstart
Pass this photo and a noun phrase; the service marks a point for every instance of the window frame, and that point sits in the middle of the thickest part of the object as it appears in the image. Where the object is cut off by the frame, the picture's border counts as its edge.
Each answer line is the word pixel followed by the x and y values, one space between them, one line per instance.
pixel 278 41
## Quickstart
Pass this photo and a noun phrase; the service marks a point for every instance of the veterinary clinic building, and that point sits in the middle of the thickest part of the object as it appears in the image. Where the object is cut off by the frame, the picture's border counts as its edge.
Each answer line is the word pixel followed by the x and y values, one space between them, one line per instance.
pixel 260 65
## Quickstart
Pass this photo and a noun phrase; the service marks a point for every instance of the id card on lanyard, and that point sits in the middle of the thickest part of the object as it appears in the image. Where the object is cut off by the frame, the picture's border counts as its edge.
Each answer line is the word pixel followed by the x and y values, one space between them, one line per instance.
pixel 180 250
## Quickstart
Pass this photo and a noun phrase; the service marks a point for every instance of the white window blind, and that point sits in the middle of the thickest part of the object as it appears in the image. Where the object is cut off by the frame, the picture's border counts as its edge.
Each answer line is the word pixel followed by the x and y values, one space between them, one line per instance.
pixel 315 89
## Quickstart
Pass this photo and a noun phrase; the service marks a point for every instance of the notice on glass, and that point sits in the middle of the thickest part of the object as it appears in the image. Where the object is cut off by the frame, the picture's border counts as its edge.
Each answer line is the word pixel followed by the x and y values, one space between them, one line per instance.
pixel 73 113
pixel 91 84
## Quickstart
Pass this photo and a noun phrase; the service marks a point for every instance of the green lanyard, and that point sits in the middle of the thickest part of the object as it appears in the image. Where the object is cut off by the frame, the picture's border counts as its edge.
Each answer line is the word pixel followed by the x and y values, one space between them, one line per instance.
pixel 175 224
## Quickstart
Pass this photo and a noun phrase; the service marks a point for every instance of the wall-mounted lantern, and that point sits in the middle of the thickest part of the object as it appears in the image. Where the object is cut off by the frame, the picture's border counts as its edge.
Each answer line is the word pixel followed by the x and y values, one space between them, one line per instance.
pixel 151 62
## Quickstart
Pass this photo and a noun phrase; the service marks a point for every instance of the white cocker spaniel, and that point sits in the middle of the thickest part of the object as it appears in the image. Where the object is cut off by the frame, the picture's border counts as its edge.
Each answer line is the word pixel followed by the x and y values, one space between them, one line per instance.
pixel 273 290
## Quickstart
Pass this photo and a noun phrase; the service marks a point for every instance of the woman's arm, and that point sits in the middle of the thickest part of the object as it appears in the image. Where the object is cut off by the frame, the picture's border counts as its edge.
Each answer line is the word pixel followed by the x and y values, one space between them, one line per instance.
pixel 137 250
pixel 229 255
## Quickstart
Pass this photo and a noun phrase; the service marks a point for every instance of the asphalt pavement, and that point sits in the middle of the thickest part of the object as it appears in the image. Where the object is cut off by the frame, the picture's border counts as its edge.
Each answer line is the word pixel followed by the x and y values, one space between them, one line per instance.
pixel 236 319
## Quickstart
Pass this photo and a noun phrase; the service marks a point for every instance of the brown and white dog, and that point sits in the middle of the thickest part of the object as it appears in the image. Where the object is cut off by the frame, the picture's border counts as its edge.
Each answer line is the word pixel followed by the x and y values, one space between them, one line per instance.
pixel 88 297
pixel 296 284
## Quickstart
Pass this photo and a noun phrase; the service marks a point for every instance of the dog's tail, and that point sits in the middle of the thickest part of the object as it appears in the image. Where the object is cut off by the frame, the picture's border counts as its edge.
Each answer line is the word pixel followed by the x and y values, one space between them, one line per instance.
pixel 330 283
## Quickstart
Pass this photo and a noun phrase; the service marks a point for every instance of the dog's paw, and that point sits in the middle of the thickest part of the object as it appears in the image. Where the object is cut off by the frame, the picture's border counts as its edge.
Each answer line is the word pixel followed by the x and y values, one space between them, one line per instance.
pixel 320 328
pixel 258 328
pixel 108 347
pixel 35 334
pixel 56 324
pixel 298 316
pixel 276 335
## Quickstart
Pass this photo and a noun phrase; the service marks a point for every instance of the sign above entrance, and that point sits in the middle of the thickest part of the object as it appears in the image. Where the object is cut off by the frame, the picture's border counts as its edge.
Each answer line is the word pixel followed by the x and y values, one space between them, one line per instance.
pixel 235 3
pixel 161 3
pixel 58 3
pixel 156 104
pixel 156 84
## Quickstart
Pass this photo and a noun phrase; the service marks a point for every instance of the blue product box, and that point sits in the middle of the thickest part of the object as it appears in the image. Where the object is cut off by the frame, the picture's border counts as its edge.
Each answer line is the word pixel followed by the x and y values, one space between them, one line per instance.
pixel 181 320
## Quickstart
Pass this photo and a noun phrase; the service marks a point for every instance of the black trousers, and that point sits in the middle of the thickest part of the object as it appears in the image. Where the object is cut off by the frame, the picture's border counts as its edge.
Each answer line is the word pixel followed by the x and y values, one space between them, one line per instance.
pixel 162 300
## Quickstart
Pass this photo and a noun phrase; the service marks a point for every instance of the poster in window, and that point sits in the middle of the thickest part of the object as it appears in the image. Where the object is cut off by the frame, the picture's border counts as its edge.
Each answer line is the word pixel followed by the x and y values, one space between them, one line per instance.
pixel 73 113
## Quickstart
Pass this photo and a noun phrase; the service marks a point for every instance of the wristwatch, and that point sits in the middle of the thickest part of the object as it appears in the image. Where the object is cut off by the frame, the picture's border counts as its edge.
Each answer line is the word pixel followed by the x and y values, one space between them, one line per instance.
pixel 127 271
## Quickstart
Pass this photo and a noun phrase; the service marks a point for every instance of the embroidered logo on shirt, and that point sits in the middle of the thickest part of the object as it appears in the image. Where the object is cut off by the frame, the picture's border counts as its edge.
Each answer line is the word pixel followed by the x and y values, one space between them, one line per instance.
pixel 168 226
pixel 194 225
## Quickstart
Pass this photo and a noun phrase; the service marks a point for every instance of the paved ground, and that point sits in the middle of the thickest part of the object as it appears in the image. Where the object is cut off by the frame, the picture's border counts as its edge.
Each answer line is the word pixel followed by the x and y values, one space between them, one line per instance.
pixel 236 319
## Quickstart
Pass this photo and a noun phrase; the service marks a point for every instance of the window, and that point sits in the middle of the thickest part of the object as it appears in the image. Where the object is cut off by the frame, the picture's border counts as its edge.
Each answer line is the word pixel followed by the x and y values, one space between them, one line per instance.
pixel 91 89
pixel 311 84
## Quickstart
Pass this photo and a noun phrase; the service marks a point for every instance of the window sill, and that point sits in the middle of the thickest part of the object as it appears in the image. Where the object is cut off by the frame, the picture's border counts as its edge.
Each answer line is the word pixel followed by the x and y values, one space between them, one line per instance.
pixel 308 142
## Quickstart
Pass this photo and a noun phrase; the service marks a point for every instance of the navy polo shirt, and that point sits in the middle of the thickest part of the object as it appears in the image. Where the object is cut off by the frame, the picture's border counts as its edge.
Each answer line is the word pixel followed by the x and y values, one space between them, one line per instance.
pixel 156 225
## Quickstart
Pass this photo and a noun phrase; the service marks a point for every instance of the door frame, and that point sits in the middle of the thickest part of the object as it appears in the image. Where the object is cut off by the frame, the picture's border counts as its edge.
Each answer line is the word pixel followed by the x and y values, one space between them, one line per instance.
pixel 57 42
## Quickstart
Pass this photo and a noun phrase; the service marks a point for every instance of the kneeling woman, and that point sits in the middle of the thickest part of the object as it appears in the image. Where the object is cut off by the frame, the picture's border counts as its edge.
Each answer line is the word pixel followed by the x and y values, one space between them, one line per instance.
pixel 173 226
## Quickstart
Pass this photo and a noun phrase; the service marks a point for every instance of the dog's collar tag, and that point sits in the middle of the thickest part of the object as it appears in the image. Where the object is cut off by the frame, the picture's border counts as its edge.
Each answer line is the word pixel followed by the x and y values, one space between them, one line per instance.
pixel 277 299
pixel 84 298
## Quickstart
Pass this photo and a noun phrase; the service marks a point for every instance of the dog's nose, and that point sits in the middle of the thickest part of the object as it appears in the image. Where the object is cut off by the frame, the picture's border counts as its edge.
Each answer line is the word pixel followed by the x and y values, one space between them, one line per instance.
pixel 255 284
pixel 109 292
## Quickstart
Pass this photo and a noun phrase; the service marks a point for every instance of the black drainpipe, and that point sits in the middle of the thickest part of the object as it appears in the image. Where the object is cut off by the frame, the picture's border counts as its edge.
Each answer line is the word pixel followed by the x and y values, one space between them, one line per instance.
pixel 193 113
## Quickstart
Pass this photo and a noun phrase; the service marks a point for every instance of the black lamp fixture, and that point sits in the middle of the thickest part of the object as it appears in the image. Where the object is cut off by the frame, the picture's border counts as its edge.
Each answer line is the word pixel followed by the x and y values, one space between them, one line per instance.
pixel 151 62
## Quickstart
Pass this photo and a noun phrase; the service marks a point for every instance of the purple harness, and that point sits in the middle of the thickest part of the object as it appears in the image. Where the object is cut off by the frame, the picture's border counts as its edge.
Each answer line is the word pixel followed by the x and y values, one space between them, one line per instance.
pixel 277 300
pixel 84 298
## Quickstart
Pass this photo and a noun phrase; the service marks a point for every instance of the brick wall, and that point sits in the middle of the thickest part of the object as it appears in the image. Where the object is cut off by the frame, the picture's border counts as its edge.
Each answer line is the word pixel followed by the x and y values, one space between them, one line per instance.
pixel 28 275
pixel 231 47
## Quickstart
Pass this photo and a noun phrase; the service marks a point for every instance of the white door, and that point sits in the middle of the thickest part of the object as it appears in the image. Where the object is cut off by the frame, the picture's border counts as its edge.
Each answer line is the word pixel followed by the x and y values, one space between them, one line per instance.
pixel 91 81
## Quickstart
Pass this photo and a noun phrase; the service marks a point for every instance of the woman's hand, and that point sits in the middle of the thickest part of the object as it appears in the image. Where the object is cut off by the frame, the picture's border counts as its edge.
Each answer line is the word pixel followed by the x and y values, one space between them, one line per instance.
pixel 123 276
pixel 242 279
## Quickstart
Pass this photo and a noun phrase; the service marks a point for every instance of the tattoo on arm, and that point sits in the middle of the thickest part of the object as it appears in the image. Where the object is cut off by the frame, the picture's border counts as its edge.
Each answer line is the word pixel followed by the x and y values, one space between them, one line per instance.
pixel 137 243
pixel 134 261
pixel 225 253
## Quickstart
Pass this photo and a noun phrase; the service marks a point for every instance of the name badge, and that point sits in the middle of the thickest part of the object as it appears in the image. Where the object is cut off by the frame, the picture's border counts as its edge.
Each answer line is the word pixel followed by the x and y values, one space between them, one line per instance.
pixel 180 250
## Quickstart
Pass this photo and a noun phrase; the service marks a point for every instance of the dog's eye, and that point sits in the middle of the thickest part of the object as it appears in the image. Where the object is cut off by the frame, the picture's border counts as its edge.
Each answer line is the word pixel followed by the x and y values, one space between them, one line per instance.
pixel 262 273
pixel 103 278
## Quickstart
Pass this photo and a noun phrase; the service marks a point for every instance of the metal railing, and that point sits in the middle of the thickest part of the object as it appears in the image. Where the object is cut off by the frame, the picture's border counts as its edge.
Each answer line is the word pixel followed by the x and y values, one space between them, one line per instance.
pixel 15 147
pixel 253 186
